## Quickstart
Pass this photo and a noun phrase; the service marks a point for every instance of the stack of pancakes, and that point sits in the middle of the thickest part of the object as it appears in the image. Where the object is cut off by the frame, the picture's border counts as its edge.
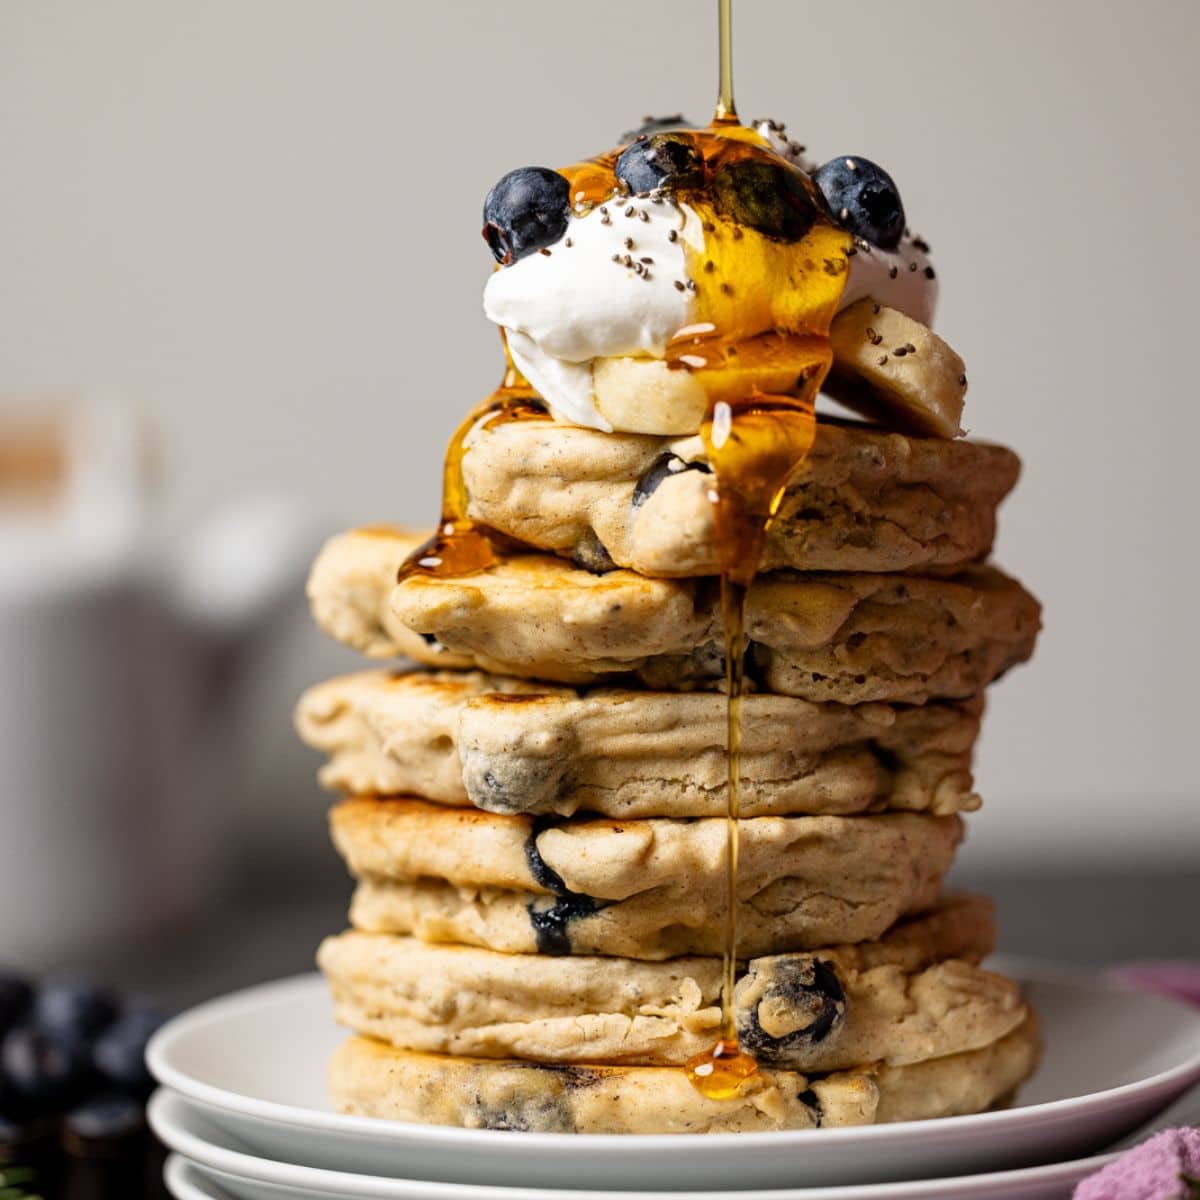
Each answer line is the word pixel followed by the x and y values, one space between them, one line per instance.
pixel 535 813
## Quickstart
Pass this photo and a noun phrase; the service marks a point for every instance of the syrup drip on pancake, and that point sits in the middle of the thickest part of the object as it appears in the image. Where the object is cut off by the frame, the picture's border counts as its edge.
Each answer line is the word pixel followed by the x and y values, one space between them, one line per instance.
pixel 461 546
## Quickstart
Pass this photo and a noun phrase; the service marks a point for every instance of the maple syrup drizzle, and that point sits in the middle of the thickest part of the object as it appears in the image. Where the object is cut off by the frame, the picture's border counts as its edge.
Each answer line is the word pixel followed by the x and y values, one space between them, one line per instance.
pixel 726 110
pixel 755 443
pixel 460 545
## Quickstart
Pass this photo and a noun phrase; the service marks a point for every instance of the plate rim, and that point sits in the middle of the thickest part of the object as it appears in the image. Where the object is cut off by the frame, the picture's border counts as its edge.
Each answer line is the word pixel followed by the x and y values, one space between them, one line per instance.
pixel 276 1113
pixel 320 1178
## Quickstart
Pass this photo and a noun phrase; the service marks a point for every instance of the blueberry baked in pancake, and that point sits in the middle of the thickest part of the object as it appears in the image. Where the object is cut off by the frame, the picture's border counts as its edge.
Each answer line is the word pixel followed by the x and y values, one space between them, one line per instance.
pixel 666 750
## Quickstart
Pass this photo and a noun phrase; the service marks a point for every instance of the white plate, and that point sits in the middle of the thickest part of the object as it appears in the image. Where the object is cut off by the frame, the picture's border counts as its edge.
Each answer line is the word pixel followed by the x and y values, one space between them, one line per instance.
pixel 254 1063
pixel 210 1171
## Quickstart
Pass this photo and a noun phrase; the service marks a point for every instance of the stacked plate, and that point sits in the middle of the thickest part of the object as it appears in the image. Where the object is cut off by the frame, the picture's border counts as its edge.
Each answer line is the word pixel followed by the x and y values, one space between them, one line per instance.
pixel 243 1107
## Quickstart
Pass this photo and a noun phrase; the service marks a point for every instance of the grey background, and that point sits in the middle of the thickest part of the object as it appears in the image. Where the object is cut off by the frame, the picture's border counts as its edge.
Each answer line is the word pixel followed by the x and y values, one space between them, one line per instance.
pixel 259 219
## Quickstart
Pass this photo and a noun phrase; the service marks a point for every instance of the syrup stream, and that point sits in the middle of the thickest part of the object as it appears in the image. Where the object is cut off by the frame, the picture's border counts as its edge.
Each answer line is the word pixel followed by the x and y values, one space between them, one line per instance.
pixel 726 110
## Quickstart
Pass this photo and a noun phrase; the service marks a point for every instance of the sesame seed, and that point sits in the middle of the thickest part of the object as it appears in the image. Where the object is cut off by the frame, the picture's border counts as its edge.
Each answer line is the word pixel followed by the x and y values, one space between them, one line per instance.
pixel 921 244
pixel 900 351
pixel 893 272
pixel 962 381
pixel 629 243
pixel 910 347
pixel 871 334
pixel 844 213
pixel 647 259
pixel 882 360
pixel 929 273
pixel 710 266
pixel 645 216
pixel 912 266
pixel 568 243
pixel 544 251
pixel 629 211
pixel 672 235
pixel 726 289
pixel 680 286
pixel 691 285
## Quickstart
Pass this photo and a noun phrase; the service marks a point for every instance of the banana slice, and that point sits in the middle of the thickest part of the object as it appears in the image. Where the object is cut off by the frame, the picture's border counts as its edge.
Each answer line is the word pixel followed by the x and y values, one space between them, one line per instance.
pixel 887 365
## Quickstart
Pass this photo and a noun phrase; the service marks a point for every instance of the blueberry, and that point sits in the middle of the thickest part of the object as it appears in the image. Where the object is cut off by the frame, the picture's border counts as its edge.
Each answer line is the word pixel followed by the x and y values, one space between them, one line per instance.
pixel 42 1070
pixel 106 1118
pixel 15 995
pixel 660 160
pixel 864 198
pixel 807 989
pixel 119 1053
pixel 772 197
pixel 526 210
pixel 73 1006
pixel 658 125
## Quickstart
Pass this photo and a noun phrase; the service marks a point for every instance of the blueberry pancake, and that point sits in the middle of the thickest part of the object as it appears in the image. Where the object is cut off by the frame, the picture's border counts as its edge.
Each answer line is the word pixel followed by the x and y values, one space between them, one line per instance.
pixel 348 587
pixel 865 499
pixel 650 888
pixel 510 745
pixel 371 1078
pixel 820 1011
pixel 849 638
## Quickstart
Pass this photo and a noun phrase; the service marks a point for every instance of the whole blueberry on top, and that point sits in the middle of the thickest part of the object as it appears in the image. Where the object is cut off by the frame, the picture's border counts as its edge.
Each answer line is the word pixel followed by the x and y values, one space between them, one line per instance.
pixel 863 199
pixel 16 992
pixel 73 1006
pixel 526 210
pixel 658 160
pixel 657 125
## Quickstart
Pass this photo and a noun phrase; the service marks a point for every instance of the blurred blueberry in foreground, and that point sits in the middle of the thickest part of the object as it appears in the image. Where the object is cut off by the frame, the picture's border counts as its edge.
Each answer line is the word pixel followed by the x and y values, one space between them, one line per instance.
pixel 41 1069
pixel 16 992
pixel 119 1053
pixel 73 1006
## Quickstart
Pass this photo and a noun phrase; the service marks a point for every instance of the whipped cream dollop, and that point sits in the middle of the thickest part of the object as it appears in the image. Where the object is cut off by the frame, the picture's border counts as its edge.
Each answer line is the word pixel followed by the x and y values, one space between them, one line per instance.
pixel 612 285
pixel 617 283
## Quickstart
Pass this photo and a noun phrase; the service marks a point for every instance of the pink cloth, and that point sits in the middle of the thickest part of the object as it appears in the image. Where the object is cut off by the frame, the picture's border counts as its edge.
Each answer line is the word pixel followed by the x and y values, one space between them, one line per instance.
pixel 1167 1167
pixel 1178 979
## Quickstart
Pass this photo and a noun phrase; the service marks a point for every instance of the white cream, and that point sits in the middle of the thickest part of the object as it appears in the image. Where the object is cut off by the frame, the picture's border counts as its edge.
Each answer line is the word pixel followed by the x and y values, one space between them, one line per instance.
pixel 901 278
pixel 598 297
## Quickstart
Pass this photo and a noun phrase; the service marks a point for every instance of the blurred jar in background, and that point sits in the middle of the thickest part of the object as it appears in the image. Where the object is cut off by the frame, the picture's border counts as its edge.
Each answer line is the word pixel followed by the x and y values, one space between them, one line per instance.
pixel 118 656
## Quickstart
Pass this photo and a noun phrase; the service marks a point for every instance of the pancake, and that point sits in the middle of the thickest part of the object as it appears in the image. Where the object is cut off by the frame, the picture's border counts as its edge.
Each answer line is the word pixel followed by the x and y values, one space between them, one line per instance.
pixel 348 587
pixel 864 500
pixel 509 745
pixel 846 638
pixel 651 889
pixel 805 1012
pixel 370 1078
